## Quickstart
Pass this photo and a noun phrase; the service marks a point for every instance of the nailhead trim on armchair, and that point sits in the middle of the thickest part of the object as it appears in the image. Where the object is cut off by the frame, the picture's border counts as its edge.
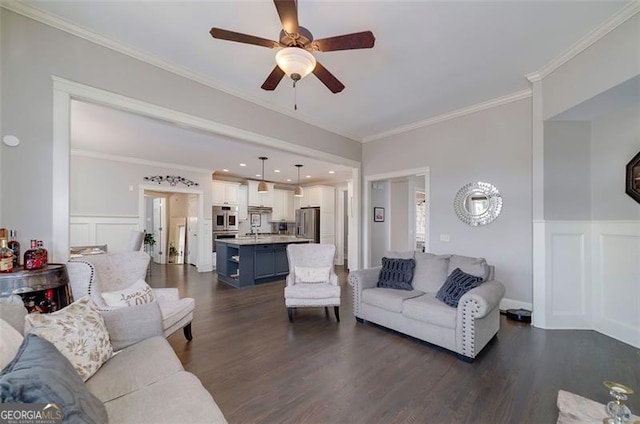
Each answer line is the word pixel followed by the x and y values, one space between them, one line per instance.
pixel 470 310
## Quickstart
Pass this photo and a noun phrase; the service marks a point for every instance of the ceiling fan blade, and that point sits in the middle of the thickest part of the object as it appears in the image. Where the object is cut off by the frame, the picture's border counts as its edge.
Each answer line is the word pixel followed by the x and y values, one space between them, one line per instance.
pixel 327 78
pixel 358 40
pixel 273 79
pixel 224 34
pixel 288 12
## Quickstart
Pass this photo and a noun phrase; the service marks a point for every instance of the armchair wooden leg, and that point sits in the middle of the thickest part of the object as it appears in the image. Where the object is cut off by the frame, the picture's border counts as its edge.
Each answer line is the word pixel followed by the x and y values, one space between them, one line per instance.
pixel 290 313
pixel 187 332
pixel 336 310
pixel 326 312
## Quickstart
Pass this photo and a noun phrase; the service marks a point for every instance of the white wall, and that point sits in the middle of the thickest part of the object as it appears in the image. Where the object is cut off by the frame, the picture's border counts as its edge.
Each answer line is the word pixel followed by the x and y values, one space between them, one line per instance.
pixel 33 52
pixel 379 230
pixel 493 145
pixel 567 170
pixel 398 216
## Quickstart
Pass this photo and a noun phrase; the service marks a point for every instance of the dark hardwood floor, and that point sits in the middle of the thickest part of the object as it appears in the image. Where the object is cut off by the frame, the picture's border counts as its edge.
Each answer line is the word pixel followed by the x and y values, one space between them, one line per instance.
pixel 261 369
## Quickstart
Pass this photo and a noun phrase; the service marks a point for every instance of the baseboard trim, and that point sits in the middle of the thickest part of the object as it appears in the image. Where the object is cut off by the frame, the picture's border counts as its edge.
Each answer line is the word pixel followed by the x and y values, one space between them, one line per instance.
pixel 514 304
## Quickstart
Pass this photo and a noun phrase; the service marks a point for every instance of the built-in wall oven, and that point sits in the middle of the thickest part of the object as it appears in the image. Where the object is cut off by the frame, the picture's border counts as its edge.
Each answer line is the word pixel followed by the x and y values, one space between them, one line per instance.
pixel 225 223
pixel 225 218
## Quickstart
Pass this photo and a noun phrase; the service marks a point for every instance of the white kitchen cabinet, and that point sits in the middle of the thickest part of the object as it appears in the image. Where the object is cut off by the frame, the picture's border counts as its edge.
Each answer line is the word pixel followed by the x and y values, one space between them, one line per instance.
pixel 260 199
pixel 312 196
pixel 224 193
pixel 283 206
pixel 243 214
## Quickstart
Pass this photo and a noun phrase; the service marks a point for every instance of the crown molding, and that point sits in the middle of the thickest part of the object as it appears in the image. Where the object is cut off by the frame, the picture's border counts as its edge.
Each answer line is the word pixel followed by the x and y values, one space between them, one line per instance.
pixel 620 17
pixel 136 161
pixel 43 17
pixel 499 101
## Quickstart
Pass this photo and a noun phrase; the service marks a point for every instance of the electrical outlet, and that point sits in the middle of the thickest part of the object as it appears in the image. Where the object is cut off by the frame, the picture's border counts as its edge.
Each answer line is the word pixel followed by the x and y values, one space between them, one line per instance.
pixel 130 188
pixel 445 238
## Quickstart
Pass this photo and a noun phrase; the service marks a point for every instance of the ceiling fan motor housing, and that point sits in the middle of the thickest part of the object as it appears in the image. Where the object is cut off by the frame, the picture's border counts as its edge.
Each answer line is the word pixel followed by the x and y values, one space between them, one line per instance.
pixel 302 38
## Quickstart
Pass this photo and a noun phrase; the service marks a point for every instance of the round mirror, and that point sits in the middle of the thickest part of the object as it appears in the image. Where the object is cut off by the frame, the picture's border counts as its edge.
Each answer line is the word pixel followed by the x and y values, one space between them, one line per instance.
pixel 478 203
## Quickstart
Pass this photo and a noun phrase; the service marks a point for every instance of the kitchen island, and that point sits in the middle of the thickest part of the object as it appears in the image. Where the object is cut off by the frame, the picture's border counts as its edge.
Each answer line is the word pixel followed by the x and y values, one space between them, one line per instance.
pixel 251 260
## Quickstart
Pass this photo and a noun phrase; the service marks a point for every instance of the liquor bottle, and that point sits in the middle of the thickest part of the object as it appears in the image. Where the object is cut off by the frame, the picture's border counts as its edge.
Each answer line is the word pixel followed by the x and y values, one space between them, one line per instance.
pixel 32 258
pixel 6 257
pixel 43 253
pixel 14 245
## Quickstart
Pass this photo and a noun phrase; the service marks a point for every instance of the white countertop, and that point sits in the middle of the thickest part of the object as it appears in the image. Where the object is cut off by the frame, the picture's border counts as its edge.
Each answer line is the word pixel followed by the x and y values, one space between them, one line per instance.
pixel 249 240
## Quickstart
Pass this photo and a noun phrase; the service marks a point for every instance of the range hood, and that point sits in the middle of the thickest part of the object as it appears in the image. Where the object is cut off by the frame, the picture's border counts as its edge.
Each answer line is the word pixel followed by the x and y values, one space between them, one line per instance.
pixel 259 209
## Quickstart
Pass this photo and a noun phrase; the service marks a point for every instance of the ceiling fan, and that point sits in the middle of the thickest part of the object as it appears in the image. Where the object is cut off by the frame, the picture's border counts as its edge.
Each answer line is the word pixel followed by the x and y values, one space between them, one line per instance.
pixel 295 59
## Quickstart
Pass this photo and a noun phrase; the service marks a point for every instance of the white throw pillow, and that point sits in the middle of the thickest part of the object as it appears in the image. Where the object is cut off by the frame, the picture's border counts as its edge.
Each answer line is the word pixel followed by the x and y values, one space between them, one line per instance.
pixel 312 275
pixel 78 332
pixel 11 341
pixel 139 293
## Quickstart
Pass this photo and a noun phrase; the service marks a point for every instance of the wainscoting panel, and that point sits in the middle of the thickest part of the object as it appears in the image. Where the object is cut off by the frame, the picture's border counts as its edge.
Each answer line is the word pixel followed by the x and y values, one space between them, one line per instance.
pixel 591 277
pixel 568 259
pixel 617 272
pixel 114 231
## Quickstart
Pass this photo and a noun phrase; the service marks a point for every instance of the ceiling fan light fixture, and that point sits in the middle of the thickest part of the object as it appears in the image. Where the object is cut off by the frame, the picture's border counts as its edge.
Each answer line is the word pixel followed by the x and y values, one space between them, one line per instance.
pixel 295 62
pixel 298 192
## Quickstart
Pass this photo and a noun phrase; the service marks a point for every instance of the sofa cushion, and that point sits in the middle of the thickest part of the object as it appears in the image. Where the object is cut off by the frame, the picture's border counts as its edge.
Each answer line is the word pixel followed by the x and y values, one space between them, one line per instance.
pixel 135 367
pixel 469 265
pixel 10 341
pixel 312 291
pixel 12 310
pixel 173 311
pixel 429 309
pixel 79 332
pixel 396 273
pixel 133 324
pixel 457 284
pixel 408 254
pixel 138 293
pixel 178 398
pixel 388 299
pixel 39 373
pixel 431 272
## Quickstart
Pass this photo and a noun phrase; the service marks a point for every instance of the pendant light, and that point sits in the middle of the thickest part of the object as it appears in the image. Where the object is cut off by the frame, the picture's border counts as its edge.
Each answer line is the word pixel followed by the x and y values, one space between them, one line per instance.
pixel 262 186
pixel 298 192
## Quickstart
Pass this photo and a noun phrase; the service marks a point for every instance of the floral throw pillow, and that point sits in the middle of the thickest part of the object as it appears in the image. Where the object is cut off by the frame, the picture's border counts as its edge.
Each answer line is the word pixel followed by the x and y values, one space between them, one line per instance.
pixel 139 293
pixel 78 332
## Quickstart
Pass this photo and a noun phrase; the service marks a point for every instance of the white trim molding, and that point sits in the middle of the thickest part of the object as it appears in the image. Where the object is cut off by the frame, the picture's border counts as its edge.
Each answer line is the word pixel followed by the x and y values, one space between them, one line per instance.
pixel 137 161
pixel 624 14
pixel 48 19
pixel 591 277
pixel 499 101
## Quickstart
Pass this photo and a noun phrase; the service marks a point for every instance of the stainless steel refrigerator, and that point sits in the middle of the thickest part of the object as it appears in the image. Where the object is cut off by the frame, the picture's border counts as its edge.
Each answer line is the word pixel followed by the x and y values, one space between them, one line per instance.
pixel 308 223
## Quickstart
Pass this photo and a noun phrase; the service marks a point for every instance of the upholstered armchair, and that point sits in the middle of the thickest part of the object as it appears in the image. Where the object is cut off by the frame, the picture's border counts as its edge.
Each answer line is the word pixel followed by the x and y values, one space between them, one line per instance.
pixel 312 281
pixel 94 275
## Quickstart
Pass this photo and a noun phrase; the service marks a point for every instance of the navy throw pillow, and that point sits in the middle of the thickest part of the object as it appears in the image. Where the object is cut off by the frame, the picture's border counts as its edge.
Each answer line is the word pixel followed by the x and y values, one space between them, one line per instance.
pixel 396 273
pixel 39 373
pixel 456 285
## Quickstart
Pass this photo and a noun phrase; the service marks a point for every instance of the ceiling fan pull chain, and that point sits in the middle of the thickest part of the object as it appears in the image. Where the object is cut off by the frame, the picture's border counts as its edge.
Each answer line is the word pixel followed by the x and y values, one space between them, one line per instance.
pixel 295 96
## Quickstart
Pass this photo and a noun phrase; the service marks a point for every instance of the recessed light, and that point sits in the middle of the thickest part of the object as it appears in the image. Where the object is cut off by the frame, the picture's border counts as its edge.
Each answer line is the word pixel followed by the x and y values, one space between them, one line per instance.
pixel 332 172
pixel 257 175
pixel 308 176
pixel 225 170
pixel 288 180
pixel 243 164
pixel 276 170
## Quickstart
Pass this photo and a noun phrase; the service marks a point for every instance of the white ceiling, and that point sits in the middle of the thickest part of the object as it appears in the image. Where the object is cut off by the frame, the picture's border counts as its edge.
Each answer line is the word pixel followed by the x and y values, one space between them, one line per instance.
pixel 97 130
pixel 430 58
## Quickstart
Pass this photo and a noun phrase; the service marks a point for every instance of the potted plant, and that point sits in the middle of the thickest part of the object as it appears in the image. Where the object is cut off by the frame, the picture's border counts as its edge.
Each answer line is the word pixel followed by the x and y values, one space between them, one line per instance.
pixel 173 252
pixel 149 242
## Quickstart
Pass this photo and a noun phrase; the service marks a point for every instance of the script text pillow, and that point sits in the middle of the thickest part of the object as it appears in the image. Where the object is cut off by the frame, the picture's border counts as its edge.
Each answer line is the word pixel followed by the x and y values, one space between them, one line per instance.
pixel 78 332
pixel 457 284
pixel 312 274
pixel 41 374
pixel 396 273
pixel 139 293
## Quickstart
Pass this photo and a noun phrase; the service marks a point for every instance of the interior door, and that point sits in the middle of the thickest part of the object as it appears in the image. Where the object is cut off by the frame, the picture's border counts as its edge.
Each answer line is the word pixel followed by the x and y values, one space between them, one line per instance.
pixel 159 225
pixel 192 230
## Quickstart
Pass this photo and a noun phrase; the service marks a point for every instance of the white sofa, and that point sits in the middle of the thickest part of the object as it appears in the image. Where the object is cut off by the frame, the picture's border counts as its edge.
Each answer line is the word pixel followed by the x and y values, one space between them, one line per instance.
pixel 418 313
pixel 144 382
